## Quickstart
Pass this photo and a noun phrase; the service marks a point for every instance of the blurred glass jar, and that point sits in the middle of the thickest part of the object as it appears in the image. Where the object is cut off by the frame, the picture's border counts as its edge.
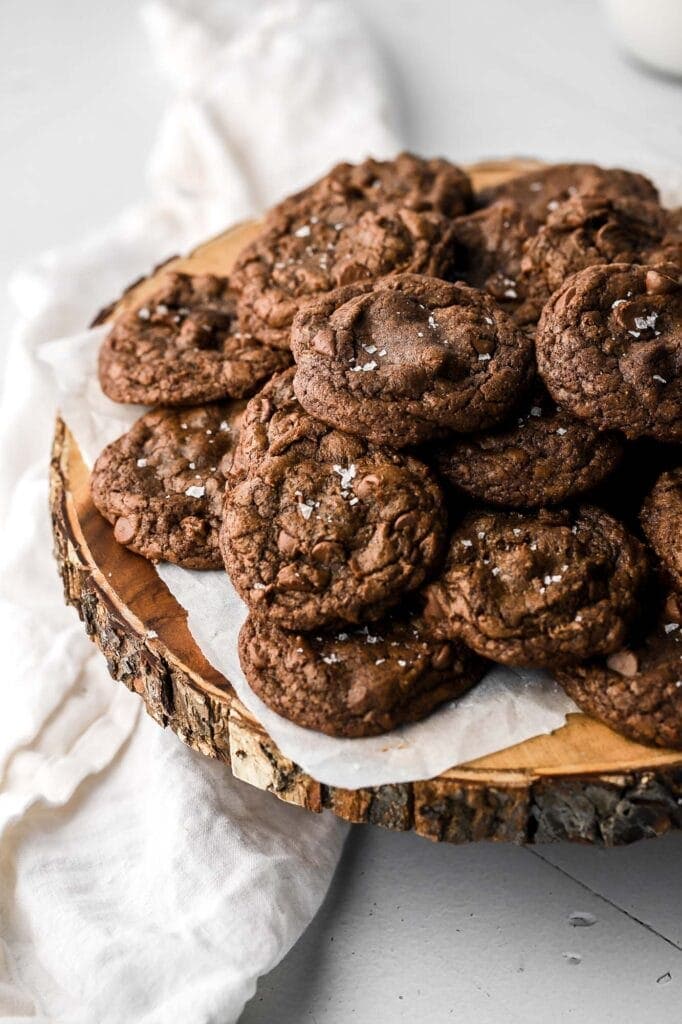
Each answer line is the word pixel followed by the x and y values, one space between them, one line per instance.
pixel 651 30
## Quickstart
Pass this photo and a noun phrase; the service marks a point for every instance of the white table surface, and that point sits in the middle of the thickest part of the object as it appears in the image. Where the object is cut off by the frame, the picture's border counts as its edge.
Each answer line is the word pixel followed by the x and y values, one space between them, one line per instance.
pixel 409 931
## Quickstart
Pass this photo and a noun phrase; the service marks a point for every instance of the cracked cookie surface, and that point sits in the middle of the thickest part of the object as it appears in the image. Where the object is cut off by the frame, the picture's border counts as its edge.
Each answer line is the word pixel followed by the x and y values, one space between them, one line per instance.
pixel 582 232
pixel 183 347
pixel 609 348
pixel 355 681
pixel 408 358
pixel 161 484
pixel 538 589
pixel 307 251
pixel 310 542
pixel 407 180
pixel 542 456
pixel 275 423
pixel 538 191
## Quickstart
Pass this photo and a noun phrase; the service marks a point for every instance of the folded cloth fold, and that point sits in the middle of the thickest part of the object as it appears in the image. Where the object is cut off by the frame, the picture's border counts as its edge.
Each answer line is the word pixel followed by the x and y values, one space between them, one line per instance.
pixel 138 880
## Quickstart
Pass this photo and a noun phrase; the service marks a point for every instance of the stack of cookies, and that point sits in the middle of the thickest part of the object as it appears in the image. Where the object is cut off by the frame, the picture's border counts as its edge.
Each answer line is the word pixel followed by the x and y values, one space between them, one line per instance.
pixel 462 444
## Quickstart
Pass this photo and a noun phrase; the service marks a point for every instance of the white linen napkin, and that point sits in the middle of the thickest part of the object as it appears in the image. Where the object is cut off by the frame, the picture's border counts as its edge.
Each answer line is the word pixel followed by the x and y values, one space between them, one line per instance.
pixel 139 882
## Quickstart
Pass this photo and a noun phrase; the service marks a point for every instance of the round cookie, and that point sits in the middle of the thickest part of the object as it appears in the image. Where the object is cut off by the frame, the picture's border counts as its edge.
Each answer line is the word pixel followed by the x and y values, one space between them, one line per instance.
pixel 308 250
pixel 358 682
pixel 161 484
pixel 407 359
pixel 542 456
pixel 182 347
pixel 661 519
pixel 539 589
pixel 490 245
pixel 407 180
pixel 638 689
pixel 309 542
pixel 582 232
pixel 537 191
pixel 609 348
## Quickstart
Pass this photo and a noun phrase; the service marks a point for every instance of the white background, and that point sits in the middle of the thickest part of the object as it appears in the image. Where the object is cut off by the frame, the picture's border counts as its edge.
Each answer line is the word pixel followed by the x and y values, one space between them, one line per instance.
pixel 409 931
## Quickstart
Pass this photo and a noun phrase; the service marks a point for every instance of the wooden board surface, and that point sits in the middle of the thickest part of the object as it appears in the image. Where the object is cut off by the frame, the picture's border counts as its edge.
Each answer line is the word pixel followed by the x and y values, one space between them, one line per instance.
pixel 582 782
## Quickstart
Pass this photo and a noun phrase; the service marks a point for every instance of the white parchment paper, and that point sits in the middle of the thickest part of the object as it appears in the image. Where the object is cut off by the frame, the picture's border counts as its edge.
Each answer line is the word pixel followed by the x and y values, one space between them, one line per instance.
pixel 508 706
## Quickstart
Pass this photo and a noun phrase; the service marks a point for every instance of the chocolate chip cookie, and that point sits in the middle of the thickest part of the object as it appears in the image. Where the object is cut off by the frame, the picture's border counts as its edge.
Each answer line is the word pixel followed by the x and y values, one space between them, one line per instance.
pixel 538 589
pixel 359 681
pixel 662 523
pixel 538 191
pixel 637 690
pixel 407 359
pixel 407 180
pixel 541 456
pixel 162 483
pixel 310 542
pixel 302 254
pixel 609 348
pixel 183 346
pixel 585 231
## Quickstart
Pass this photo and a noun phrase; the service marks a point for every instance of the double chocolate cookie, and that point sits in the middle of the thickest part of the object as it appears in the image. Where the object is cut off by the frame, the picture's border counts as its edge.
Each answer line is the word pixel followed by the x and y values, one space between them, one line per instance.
pixel 538 192
pixel 638 689
pixel 356 682
pixel 407 180
pixel 408 358
pixel 310 542
pixel 609 348
pixel 306 252
pixel 538 590
pixel 162 483
pixel 662 523
pixel 183 346
pixel 542 456
pixel 585 231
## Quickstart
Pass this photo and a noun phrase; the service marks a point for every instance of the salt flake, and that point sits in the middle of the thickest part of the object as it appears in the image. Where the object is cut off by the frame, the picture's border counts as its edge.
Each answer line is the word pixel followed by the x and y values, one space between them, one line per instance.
pixel 347 474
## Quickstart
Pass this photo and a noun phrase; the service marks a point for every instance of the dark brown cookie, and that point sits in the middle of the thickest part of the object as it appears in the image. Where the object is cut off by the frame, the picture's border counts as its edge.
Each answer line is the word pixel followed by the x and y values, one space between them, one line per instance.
pixel 361 682
pixel 542 589
pixel 585 231
pixel 638 689
pixel 310 542
pixel 407 359
pixel 537 191
pixel 662 523
pixel 275 423
pixel 542 456
pixel 488 254
pixel 183 347
pixel 162 483
pixel 407 180
pixel 308 251
pixel 609 347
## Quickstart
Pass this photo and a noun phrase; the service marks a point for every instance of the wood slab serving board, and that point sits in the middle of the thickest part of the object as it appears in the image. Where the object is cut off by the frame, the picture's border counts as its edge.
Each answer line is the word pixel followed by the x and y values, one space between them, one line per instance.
pixel 583 782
